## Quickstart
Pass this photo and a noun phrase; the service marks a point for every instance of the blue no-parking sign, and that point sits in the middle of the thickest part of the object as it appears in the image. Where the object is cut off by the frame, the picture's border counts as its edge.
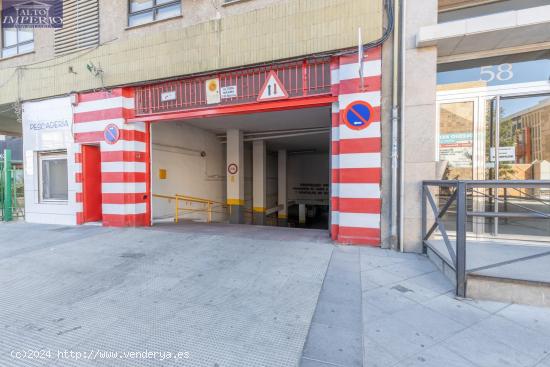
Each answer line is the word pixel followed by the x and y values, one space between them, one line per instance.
pixel 111 134
pixel 358 115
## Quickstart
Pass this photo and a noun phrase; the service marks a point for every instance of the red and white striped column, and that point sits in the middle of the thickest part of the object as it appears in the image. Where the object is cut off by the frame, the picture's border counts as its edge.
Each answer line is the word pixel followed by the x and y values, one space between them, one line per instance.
pixel 356 152
pixel 124 173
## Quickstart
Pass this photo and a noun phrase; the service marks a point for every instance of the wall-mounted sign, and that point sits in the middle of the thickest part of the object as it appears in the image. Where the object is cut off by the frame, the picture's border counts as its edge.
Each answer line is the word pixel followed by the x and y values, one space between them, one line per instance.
pixel 232 169
pixel 505 154
pixel 111 134
pixel 212 91
pixel 168 96
pixel 32 14
pixel 273 89
pixel 229 91
pixel 358 115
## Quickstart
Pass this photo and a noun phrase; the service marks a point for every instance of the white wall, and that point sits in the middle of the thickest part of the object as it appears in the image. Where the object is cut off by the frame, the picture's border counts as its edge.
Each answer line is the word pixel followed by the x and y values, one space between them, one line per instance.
pixel 177 148
pixel 47 125
pixel 304 170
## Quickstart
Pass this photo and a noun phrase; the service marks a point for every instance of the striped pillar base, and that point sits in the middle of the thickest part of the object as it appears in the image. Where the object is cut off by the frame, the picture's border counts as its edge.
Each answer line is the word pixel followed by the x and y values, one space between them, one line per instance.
pixel 356 153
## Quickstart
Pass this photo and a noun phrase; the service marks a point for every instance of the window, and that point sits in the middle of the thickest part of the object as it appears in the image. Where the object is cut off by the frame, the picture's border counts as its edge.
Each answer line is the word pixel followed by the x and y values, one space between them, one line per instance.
pixel 146 11
pixel 54 183
pixel 17 41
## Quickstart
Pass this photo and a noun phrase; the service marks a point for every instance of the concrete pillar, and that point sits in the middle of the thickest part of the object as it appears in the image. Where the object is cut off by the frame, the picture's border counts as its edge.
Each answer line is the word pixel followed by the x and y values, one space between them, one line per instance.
pixel 302 214
pixel 259 181
pixel 282 217
pixel 235 175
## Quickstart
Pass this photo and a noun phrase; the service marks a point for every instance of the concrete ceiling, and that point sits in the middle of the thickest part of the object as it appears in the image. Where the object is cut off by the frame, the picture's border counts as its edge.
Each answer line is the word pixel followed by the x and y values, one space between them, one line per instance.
pixel 318 117
pixel 266 121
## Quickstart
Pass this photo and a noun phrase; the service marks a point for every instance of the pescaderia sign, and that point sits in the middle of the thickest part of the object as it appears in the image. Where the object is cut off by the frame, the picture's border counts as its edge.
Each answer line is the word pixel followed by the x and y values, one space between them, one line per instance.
pixel 32 14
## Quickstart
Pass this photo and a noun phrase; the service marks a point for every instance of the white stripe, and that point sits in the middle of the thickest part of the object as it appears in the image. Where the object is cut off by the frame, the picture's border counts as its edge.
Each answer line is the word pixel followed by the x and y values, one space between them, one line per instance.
pixel 335 107
pixel 122 145
pixel 373 98
pixel 335 76
pixel 77 186
pixel 344 132
pixel 139 208
pixel 77 167
pixel 356 190
pixel 105 104
pixel 124 188
pixel 356 160
pixel 358 220
pixel 93 126
pixel 123 167
pixel 351 71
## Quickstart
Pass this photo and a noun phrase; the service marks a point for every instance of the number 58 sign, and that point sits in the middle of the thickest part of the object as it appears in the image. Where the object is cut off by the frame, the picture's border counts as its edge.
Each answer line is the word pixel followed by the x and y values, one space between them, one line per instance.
pixel 502 72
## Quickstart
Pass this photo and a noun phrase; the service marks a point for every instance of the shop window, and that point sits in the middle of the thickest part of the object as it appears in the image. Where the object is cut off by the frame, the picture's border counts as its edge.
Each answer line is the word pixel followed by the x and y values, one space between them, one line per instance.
pixel 17 41
pixel 54 182
pixel 147 11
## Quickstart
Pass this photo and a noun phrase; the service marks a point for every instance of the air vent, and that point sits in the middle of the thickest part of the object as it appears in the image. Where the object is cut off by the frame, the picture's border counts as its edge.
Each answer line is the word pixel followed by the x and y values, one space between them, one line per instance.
pixel 80 26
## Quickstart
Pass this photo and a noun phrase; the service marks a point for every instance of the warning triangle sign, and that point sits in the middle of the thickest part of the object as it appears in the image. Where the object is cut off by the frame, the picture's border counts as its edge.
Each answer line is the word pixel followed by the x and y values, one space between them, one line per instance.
pixel 273 89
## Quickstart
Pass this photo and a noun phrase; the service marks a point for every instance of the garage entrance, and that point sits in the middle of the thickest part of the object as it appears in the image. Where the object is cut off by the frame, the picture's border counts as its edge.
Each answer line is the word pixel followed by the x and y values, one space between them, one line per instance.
pixel 265 168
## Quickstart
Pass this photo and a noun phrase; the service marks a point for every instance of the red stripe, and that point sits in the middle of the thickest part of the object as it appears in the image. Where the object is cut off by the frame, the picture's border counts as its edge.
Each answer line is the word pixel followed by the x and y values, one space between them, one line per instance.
pixel 108 114
pixel 78 177
pixel 113 177
pixel 357 175
pixel 95 136
pixel 356 235
pixel 80 218
pixel 370 84
pixel 350 146
pixel 370 55
pixel 78 157
pixel 124 198
pixel 79 197
pixel 128 220
pixel 335 119
pixel 123 156
pixel 345 205
pixel 117 92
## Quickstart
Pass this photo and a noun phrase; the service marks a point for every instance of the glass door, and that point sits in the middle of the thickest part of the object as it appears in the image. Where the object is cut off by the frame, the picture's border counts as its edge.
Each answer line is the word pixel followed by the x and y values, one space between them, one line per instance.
pixel 517 147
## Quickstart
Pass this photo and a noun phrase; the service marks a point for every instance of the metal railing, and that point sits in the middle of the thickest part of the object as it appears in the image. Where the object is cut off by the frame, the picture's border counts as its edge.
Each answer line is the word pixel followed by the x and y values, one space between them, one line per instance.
pixel 459 188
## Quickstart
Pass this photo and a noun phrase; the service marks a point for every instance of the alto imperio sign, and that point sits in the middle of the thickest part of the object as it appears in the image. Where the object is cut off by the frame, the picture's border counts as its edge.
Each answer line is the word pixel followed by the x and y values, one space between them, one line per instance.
pixel 32 14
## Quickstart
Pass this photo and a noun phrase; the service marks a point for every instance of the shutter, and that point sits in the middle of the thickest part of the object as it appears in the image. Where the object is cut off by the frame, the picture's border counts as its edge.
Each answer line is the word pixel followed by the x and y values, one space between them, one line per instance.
pixel 80 26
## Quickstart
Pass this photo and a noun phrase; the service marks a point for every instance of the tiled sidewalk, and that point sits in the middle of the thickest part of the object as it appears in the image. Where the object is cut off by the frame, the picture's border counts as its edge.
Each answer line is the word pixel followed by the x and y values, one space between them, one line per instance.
pixel 411 318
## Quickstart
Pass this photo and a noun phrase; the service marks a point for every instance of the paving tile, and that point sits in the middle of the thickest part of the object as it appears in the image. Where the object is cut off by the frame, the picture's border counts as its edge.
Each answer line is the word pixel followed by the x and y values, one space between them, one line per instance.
pixel 544 363
pixel 485 351
pixel 333 345
pixel 367 284
pixel 489 306
pixel 382 277
pixel 437 356
pixel 415 292
pixel 388 300
pixel 306 362
pixel 345 315
pixel 429 322
pixel 397 337
pixel 411 269
pixel 371 313
pixel 536 318
pixel 434 281
pixel 376 355
pixel 457 310
pixel 528 341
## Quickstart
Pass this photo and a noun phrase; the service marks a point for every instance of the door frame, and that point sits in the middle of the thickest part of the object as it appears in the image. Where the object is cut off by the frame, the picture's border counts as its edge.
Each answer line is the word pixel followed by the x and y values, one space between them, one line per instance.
pixel 480 96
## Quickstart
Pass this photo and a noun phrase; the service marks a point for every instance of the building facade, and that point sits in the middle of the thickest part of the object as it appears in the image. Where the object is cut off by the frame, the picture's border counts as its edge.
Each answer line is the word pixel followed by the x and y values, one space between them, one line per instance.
pixel 263 112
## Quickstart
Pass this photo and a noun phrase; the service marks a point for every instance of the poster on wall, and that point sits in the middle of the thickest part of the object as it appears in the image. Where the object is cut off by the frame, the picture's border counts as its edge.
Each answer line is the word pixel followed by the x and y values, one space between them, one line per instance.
pixel 456 149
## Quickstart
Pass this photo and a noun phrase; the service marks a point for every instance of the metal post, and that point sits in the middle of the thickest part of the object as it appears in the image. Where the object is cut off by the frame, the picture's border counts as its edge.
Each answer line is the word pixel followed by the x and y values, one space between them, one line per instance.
pixel 176 214
pixel 424 216
pixel 497 160
pixel 460 265
pixel 8 214
pixel 209 212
